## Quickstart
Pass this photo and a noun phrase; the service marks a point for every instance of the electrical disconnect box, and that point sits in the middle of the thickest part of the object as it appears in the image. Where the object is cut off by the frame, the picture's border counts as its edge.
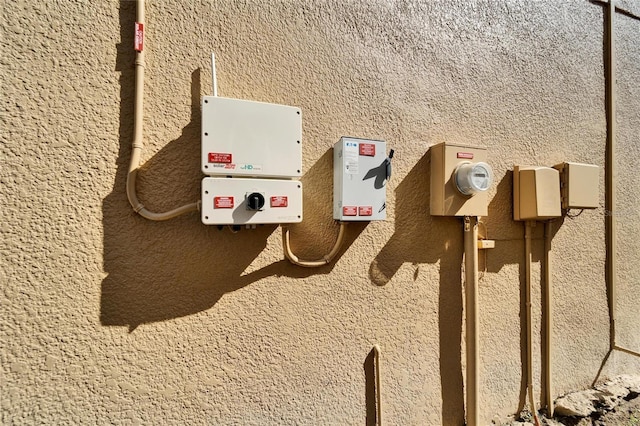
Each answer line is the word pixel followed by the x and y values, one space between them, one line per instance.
pixel 252 154
pixel 579 185
pixel 250 201
pixel 536 193
pixel 460 178
pixel 361 169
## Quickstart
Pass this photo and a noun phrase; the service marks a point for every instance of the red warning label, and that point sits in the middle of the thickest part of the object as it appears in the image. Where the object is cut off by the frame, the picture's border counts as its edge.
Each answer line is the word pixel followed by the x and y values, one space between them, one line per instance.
pixel 218 157
pixel 223 202
pixel 466 155
pixel 368 149
pixel 349 211
pixel 138 37
pixel 279 201
pixel 365 210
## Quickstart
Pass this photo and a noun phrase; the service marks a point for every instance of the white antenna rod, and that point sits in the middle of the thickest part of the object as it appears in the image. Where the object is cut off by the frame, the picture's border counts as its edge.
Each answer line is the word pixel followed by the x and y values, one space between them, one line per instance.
pixel 213 74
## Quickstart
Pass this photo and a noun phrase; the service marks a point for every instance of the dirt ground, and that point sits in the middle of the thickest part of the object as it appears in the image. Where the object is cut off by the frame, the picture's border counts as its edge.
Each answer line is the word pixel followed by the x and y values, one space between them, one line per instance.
pixel 627 414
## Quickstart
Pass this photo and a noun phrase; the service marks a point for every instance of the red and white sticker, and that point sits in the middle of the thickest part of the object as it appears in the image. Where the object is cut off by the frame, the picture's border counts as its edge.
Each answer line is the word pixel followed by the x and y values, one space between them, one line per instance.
pixel 368 149
pixel 349 211
pixel 138 38
pixel 223 202
pixel 218 157
pixel 279 201
pixel 365 210
pixel 466 155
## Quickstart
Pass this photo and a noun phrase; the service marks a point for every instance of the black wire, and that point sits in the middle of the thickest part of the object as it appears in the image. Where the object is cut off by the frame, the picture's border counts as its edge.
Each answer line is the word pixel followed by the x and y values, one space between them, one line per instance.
pixel 574 215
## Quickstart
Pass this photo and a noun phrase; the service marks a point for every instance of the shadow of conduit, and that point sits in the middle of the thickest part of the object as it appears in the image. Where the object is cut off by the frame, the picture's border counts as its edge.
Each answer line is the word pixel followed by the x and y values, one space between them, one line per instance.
pixel 158 271
pixel 421 238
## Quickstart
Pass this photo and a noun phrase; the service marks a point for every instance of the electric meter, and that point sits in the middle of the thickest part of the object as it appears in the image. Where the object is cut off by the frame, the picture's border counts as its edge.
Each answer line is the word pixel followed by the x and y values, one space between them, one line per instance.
pixel 460 180
pixel 472 178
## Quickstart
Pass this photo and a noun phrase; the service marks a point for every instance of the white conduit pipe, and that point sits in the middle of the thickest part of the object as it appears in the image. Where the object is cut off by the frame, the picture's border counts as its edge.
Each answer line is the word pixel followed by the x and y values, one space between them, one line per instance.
pixel 547 313
pixel 136 150
pixel 528 261
pixel 610 193
pixel 471 317
pixel 376 366
pixel 313 263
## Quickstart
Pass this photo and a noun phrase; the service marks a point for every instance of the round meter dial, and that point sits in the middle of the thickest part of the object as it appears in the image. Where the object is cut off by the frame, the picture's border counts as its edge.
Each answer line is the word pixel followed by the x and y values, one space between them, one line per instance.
pixel 472 178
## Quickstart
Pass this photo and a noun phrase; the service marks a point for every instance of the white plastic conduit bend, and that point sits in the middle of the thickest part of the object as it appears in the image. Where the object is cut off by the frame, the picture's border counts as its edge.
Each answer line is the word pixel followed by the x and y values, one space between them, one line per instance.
pixel 136 150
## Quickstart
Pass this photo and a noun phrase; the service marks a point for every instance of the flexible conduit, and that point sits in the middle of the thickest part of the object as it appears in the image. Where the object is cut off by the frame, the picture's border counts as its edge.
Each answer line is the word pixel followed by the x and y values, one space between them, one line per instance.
pixel 313 263
pixel 136 149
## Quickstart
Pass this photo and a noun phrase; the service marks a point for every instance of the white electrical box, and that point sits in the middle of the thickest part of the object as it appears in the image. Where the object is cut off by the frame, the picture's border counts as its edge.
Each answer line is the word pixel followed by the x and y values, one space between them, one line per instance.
pixel 247 138
pixel 240 201
pixel 361 169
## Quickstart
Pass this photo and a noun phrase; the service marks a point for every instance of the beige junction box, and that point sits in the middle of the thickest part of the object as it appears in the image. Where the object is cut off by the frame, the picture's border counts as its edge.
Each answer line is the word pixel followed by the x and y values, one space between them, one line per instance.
pixel 446 198
pixel 579 185
pixel 536 193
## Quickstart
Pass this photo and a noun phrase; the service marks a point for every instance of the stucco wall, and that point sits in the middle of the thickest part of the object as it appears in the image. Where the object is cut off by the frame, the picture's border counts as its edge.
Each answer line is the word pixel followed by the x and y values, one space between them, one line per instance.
pixel 107 317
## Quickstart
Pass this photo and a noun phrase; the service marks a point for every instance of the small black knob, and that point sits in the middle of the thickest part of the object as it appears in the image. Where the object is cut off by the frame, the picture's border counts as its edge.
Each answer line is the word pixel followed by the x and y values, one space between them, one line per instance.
pixel 255 201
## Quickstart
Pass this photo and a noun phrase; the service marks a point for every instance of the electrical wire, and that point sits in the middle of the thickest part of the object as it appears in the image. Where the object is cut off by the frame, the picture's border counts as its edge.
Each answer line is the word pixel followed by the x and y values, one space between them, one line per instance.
pixel 572 216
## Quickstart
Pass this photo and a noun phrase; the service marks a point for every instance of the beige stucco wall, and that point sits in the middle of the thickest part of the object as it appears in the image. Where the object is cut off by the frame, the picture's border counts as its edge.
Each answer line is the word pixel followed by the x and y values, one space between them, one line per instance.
pixel 107 317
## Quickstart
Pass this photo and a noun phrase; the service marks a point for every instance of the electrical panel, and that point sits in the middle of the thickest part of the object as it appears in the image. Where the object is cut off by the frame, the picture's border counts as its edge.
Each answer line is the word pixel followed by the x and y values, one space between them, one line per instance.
pixel 579 185
pixel 536 193
pixel 252 154
pixel 247 138
pixel 250 201
pixel 361 169
pixel 460 178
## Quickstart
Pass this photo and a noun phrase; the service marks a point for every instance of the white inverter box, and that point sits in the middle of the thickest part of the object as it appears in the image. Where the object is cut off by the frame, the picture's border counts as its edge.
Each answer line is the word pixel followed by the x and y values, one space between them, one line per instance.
pixel 250 139
pixel 361 169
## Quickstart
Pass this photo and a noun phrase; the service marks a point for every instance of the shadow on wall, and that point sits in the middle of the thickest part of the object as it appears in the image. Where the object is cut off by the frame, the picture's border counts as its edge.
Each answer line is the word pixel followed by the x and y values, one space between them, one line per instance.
pixel 163 270
pixel 422 238
pixel 512 252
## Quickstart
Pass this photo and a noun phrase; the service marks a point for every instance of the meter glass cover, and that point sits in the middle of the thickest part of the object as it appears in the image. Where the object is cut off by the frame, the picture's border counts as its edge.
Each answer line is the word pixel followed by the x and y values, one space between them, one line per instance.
pixel 480 177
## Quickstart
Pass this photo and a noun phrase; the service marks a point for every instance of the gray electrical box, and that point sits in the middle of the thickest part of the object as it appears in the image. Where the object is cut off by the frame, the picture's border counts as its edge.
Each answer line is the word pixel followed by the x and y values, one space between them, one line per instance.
pixel 361 169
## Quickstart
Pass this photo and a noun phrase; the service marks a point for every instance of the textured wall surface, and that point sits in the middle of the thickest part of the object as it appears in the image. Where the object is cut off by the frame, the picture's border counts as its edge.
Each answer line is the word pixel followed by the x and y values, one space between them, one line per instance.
pixel 107 317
